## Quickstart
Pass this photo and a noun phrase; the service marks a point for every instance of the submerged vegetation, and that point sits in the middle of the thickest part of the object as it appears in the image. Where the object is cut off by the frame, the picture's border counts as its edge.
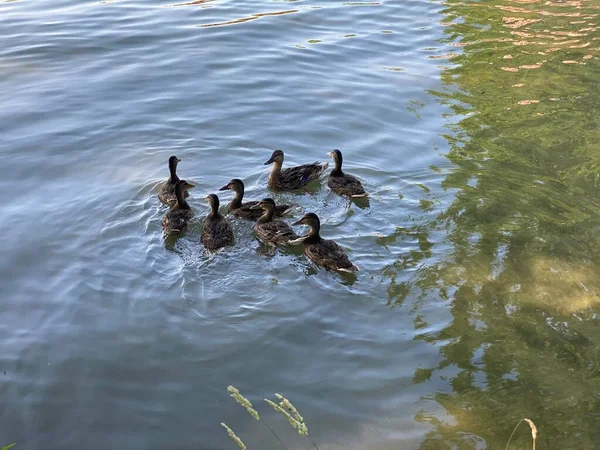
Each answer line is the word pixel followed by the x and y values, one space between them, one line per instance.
pixel 284 407
pixel 513 258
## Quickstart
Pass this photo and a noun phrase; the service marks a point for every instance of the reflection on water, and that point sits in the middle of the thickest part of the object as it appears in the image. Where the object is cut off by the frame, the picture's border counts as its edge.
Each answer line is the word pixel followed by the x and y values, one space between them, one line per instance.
pixel 472 124
pixel 518 267
pixel 252 17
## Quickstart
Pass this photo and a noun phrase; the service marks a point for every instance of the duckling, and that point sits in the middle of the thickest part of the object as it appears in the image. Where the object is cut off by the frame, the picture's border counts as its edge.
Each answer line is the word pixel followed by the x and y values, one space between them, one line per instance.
pixel 323 252
pixel 274 232
pixel 216 232
pixel 343 183
pixel 167 190
pixel 176 220
pixel 244 210
pixel 293 177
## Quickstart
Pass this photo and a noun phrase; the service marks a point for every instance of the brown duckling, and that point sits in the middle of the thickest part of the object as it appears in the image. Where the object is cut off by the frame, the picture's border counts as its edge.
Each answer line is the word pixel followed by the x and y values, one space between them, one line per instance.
pixel 217 231
pixel 324 252
pixel 293 177
pixel 176 220
pixel 167 190
pixel 244 210
pixel 343 183
pixel 270 231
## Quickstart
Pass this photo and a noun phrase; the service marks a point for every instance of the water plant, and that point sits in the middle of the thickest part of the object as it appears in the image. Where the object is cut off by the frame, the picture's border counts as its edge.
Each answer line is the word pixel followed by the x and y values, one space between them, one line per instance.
pixel 6 447
pixel 284 407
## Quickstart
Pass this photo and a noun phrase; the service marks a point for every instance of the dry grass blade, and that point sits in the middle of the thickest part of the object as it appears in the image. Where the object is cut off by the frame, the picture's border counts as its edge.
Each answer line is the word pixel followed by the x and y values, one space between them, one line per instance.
pixel 533 432
pixel 243 401
pixel 234 436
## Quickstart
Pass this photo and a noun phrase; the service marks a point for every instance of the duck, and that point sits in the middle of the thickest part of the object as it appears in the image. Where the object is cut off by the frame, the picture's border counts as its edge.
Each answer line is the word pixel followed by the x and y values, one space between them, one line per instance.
pixel 272 231
pixel 216 231
pixel 292 178
pixel 244 210
pixel 176 220
pixel 167 190
pixel 343 183
pixel 324 252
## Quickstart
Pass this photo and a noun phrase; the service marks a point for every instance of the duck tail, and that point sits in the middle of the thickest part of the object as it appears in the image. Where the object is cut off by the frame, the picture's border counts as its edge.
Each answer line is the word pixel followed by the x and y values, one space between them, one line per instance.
pixel 353 268
pixel 287 210
pixel 297 241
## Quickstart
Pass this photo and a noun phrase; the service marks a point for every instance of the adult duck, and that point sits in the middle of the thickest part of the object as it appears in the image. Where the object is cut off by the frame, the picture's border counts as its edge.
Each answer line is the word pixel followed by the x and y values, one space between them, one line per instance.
pixel 269 230
pixel 343 183
pixel 216 231
pixel 167 190
pixel 324 252
pixel 292 178
pixel 176 220
pixel 244 210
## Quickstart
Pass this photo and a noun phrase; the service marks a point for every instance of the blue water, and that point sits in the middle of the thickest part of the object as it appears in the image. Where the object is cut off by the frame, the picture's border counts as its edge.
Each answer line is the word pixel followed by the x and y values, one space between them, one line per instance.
pixel 112 338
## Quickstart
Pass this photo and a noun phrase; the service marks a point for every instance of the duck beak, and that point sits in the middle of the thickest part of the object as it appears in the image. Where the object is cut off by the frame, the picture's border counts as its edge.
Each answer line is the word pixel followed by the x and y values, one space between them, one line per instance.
pixel 178 160
pixel 224 188
pixel 270 161
pixel 257 206
pixel 190 186
pixel 330 154
pixel 298 222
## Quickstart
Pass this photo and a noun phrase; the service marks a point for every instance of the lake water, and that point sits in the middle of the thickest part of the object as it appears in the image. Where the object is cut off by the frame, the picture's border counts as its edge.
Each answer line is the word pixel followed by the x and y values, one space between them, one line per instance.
pixel 473 125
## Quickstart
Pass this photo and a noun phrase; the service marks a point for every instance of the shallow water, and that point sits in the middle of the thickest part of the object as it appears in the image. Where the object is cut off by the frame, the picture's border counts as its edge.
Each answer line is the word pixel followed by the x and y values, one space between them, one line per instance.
pixel 472 124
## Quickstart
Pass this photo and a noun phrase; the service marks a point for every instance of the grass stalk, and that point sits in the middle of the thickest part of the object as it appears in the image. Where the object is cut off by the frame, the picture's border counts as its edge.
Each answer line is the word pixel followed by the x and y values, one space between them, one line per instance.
pixel 234 436
pixel 533 432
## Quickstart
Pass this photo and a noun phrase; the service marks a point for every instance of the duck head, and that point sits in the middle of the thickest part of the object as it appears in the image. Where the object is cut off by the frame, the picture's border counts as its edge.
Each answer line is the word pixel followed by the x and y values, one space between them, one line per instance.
pixel 236 185
pixel 173 160
pixel 265 204
pixel 337 158
pixel 180 188
pixel 276 157
pixel 213 202
pixel 310 219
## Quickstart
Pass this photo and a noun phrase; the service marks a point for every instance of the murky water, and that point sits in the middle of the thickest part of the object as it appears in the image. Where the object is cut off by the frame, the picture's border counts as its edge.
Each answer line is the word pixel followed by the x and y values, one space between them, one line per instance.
pixel 474 126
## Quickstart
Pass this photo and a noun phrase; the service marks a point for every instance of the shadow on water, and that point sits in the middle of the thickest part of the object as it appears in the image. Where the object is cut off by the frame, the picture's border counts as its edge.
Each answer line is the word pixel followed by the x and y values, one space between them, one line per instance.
pixel 361 202
pixel 518 265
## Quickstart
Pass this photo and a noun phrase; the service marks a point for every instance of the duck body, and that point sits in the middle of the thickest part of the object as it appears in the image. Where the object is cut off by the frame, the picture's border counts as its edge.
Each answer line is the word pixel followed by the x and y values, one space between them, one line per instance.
pixel 245 210
pixel 167 190
pixel 176 220
pixel 324 252
pixel 343 183
pixel 216 231
pixel 292 178
pixel 269 230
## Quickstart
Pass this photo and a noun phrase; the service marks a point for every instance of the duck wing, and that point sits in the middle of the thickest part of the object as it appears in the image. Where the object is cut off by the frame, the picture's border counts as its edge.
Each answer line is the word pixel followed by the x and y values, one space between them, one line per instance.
pixel 346 185
pixel 216 233
pixel 330 255
pixel 276 232
pixel 245 212
pixel 167 194
pixel 176 221
pixel 299 176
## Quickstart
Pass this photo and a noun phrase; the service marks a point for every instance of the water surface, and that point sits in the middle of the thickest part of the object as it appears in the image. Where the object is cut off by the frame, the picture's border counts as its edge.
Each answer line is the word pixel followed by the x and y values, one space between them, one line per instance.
pixel 472 124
